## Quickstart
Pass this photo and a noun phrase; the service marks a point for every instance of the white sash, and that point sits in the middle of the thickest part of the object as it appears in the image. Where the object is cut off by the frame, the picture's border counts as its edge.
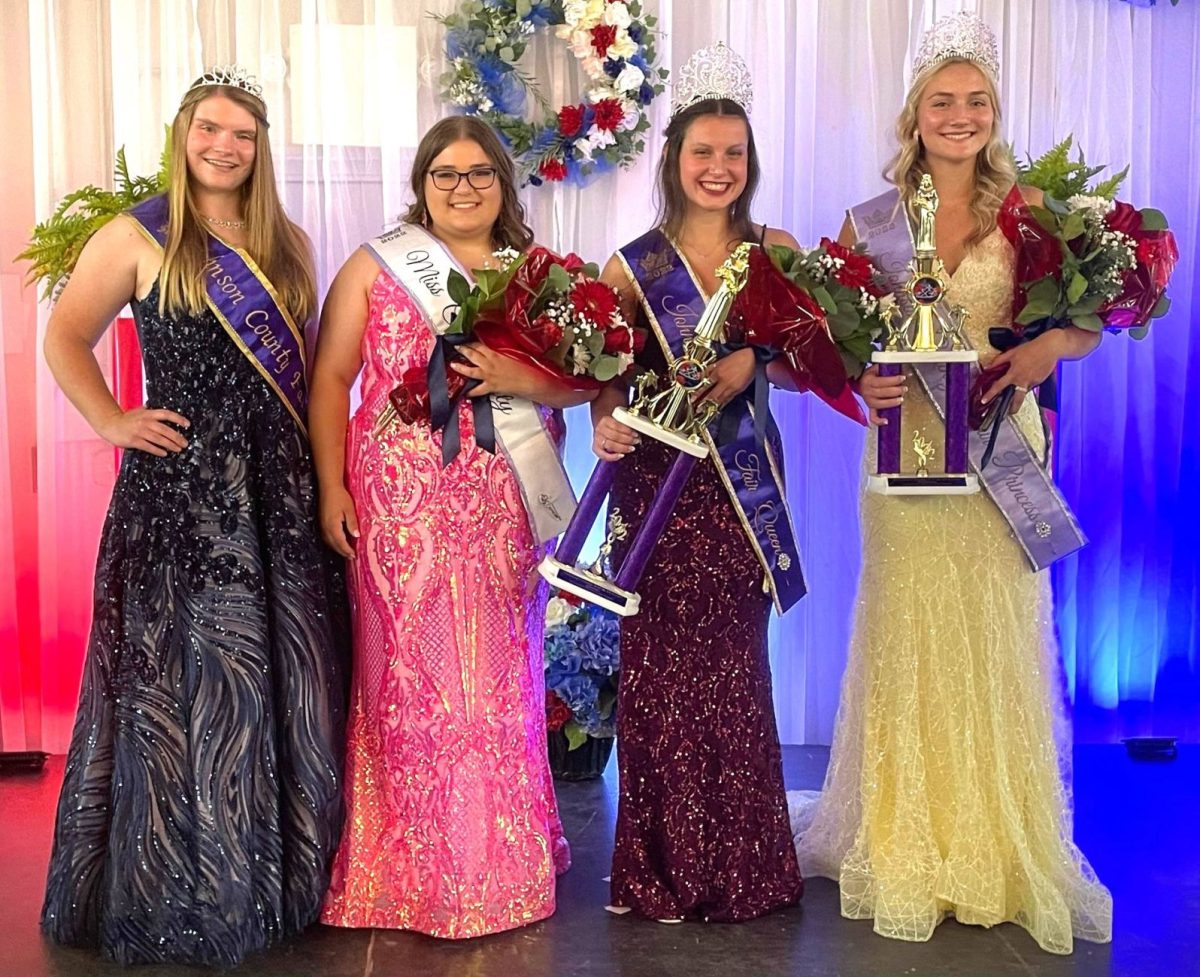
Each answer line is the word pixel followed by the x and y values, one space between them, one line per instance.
pixel 419 263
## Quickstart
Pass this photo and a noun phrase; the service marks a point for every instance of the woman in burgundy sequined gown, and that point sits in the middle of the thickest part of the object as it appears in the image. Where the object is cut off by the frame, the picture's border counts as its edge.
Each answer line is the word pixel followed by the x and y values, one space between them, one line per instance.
pixel 702 824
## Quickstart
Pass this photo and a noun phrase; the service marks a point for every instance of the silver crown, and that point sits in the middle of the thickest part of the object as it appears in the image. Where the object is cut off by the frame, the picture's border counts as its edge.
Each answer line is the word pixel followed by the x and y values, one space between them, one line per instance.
pixel 231 76
pixel 959 36
pixel 713 72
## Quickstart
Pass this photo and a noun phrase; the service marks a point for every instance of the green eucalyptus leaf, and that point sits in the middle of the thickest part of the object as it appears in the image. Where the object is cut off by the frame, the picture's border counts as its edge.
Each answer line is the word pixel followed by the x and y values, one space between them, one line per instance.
pixel 824 299
pixel 1160 308
pixel 558 278
pixel 606 367
pixel 1092 323
pixel 1073 226
pixel 1153 220
pixel 1139 332
pixel 1076 288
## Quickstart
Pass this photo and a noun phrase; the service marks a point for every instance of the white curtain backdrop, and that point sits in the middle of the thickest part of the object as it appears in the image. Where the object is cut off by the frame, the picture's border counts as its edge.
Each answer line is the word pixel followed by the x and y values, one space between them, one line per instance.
pixel 350 84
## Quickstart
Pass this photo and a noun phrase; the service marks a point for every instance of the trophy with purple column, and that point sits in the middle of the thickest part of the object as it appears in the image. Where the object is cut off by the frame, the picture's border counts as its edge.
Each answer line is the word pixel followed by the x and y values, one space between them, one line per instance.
pixel 664 409
pixel 931 343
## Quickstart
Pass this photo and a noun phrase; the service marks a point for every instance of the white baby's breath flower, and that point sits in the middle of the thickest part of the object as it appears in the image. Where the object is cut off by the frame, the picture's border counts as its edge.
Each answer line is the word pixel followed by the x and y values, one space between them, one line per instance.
pixel 506 256
pixel 1091 204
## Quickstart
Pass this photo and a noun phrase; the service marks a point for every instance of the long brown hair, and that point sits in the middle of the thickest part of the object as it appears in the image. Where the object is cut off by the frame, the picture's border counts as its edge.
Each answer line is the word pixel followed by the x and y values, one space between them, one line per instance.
pixel 669 195
pixel 277 245
pixel 994 170
pixel 510 229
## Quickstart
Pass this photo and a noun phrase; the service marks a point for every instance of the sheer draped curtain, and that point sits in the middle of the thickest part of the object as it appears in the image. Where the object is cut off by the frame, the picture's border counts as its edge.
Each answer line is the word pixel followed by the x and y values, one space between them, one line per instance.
pixel 350 84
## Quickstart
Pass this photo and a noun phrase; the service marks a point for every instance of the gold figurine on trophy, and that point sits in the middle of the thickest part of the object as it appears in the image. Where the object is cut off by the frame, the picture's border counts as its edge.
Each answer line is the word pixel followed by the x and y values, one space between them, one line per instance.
pixel 930 344
pixel 672 415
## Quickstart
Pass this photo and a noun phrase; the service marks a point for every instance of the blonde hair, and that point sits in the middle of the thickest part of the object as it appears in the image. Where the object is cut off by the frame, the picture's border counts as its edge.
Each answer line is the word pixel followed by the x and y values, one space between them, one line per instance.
pixel 995 173
pixel 277 245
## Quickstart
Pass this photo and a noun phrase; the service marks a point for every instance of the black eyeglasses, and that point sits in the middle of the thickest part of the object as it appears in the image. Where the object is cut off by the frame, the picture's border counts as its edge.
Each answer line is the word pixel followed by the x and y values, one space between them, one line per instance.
pixel 479 178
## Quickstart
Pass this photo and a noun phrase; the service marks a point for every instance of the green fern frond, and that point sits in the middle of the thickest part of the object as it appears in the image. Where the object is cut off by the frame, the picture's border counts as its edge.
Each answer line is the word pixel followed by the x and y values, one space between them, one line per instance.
pixel 1108 188
pixel 1060 177
pixel 56 243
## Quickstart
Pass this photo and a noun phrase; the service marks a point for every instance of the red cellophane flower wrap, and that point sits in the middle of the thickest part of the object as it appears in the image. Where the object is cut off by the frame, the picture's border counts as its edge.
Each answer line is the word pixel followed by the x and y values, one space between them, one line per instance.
pixel 1036 250
pixel 557 317
pixel 774 313
pixel 410 398
pixel 1157 254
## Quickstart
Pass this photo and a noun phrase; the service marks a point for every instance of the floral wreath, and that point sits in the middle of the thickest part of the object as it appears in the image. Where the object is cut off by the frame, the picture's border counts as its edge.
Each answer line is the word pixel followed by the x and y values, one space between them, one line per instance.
pixel 614 45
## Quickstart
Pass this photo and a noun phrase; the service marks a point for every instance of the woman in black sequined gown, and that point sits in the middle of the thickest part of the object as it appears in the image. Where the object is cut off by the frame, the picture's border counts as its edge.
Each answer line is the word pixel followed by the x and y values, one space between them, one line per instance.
pixel 201 800
pixel 702 822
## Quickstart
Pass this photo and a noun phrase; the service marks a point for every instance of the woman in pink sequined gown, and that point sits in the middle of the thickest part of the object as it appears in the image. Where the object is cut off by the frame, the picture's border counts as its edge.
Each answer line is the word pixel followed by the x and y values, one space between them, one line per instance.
pixel 452 827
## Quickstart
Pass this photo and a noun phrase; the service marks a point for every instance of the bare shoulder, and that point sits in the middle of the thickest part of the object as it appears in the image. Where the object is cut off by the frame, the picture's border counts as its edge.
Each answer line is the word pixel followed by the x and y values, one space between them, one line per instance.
pixel 118 260
pixel 120 241
pixel 615 273
pixel 1033 195
pixel 777 235
pixel 359 270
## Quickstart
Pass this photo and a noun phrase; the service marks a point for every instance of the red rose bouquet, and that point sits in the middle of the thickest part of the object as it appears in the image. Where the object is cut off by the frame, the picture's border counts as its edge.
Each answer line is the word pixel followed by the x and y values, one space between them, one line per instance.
pixel 556 315
pixel 548 311
pixel 850 291
pixel 1082 258
pixel 782 318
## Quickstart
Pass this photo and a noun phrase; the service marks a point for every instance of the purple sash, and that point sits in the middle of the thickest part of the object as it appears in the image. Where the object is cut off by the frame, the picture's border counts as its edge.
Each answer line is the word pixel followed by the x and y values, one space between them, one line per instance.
pixel 248 308
pixel 673 301
pixel 1022 490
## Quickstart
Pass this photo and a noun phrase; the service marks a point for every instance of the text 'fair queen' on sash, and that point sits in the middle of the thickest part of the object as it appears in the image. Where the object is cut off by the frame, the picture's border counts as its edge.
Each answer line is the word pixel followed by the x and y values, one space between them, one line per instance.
pixel 673 302
pixel 248 308
pixel 420 264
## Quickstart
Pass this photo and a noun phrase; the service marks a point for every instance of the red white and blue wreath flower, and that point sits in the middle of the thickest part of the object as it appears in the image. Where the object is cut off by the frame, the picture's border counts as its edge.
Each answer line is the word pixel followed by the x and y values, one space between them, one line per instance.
pixel 614 45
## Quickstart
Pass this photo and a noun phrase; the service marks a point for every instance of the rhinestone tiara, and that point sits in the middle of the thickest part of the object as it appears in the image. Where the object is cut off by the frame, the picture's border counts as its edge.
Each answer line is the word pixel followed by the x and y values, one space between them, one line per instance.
pixel 713 72
pixel 231 76
pixel 959 36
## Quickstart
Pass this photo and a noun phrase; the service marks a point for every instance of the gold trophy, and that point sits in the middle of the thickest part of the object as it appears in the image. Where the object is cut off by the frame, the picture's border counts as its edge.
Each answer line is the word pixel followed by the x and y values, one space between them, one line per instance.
pixel 672 416
pixel 925 339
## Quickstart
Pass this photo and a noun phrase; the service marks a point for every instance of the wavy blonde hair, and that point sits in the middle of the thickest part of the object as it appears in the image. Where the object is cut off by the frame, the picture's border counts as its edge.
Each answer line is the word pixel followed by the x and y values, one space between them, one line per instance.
pixel 995 173
pixel 277 245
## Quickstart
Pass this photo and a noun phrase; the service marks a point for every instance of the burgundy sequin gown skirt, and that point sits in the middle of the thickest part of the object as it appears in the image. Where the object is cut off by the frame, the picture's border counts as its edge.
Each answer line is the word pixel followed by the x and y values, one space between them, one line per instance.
pixel 702 822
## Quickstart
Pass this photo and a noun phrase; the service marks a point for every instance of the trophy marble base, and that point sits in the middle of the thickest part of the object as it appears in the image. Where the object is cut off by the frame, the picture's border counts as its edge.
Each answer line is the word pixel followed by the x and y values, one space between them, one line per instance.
pixel 937 356
pixel 650 429
pixel 589 586
pixel 927 485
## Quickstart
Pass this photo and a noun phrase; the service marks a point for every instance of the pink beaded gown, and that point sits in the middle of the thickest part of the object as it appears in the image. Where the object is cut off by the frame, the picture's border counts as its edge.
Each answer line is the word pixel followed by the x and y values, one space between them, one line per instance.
pixel 451 823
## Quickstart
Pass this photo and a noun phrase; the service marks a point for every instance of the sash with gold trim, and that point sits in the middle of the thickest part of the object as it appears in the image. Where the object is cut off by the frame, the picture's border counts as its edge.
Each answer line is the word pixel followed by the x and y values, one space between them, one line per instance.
pixel 1015 481
pixel 418 263
pixel 248 308
pixel 748 466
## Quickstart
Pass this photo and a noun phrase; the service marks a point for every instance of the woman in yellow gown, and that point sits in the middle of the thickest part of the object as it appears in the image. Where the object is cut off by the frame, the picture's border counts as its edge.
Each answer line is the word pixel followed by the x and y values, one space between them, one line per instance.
pixel 946 792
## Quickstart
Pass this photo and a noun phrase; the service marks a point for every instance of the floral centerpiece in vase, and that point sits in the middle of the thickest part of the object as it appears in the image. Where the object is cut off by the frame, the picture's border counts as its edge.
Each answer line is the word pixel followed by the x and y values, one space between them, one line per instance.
pixel 582 645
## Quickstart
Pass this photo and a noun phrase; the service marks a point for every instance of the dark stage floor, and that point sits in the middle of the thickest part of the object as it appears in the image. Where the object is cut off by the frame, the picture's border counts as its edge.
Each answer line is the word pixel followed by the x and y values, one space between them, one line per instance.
pixel 1136 821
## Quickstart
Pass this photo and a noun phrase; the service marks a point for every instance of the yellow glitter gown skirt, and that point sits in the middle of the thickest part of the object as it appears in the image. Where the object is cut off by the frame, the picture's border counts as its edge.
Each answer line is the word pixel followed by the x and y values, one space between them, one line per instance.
pixel 947 791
